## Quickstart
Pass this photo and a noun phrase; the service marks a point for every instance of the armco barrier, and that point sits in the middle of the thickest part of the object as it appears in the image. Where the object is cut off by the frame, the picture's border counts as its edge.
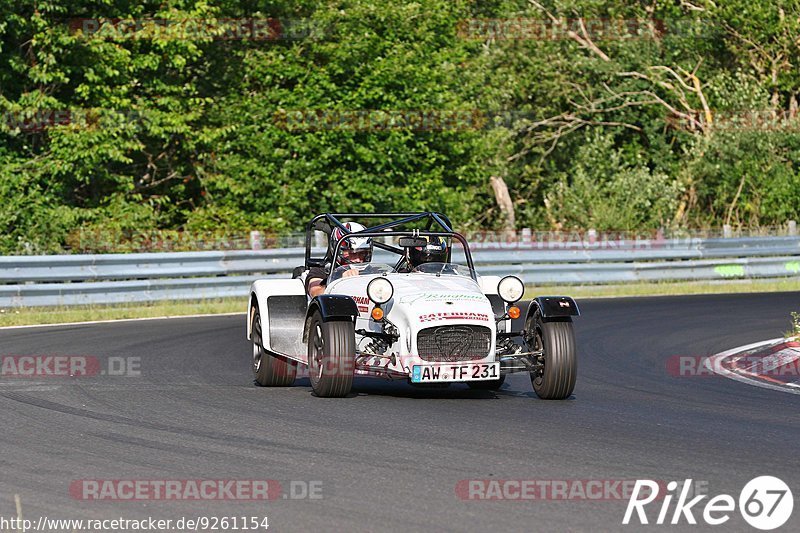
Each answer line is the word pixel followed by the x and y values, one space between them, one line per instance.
pixel 118 278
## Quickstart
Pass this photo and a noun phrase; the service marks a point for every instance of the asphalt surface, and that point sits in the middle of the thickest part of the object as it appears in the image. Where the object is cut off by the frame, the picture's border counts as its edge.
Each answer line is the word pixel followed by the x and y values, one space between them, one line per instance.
pixel 390 456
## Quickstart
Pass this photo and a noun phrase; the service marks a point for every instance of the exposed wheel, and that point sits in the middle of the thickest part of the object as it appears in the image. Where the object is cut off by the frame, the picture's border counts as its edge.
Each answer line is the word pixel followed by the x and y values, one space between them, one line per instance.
pixel 270 371
pixel 494 384
pixel 556 340
pixel 331 356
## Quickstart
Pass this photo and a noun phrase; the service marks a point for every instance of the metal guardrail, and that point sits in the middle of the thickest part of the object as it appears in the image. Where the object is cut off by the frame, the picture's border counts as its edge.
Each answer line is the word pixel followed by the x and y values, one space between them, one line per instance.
pixel 118 278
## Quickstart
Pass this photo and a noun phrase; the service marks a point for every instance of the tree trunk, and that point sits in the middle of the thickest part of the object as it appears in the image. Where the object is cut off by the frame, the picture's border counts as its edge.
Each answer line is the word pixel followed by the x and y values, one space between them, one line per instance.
pixel 503 199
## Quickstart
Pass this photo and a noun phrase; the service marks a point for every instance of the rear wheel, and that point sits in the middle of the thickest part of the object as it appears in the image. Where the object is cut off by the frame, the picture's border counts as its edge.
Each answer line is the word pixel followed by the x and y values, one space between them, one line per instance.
pixel 555 339
pixel 494 384
pixel 270 371
pixel 331 356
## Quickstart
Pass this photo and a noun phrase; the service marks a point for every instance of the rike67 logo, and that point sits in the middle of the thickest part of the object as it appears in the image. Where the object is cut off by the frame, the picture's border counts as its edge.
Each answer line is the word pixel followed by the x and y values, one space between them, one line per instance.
pixel 765 503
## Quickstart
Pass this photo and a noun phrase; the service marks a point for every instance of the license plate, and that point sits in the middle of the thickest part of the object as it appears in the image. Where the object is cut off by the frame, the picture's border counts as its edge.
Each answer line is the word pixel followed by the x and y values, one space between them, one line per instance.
pixel 455 372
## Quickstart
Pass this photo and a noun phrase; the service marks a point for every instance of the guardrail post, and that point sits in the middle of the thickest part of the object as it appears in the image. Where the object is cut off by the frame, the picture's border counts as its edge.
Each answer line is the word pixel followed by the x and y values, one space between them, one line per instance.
pixel 727 231
pixel 592 236
pixel 792 228
pixel 255 240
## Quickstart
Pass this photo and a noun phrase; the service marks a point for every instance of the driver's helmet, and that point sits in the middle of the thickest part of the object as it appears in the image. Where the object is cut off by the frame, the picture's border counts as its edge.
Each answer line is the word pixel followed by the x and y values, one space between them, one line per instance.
pixel 436 251
pixel 354 249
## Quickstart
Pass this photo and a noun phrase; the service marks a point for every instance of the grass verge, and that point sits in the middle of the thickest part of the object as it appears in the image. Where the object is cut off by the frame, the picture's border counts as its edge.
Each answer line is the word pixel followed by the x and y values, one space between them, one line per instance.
pixel 665 288
pixel 60 315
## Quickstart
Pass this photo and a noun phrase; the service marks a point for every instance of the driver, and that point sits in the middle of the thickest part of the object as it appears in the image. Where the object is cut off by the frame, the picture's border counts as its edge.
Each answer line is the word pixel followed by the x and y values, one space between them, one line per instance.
pixel 436 251
pixel 352 251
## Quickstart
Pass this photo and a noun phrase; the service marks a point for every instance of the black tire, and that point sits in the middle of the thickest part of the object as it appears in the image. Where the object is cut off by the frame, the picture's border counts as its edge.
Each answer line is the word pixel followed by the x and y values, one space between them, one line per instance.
pixel 331 356
pixel 556 339
pixel 270 371
pixel 494 384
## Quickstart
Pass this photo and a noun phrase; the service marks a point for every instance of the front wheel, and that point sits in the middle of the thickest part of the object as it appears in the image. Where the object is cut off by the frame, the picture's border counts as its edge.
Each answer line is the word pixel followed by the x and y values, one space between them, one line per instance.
pixel 331 357
pixel 555 340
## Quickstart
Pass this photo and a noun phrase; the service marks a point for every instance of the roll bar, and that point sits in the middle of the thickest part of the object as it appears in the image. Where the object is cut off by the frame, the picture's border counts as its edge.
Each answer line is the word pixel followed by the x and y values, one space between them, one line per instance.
pixel 414 233
pixel 437 225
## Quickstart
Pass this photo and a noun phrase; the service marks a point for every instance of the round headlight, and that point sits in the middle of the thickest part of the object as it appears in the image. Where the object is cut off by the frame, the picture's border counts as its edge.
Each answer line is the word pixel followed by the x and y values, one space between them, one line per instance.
pixel 510 289
pixel 380 290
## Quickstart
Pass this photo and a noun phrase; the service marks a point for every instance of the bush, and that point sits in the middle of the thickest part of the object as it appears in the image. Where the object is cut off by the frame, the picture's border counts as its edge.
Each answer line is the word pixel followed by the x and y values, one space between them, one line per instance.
pixel 604 191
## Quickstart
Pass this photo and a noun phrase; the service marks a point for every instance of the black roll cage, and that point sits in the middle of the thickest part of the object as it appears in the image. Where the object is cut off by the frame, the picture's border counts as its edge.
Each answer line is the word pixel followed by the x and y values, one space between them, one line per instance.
pixel 327 221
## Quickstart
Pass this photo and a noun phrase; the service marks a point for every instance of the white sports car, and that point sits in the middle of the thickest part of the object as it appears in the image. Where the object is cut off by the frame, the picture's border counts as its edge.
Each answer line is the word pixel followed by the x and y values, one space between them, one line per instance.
pixel 430 324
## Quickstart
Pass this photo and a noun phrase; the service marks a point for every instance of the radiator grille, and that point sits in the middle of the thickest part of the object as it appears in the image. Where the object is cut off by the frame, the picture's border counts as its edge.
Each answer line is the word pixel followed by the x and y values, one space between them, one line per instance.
pixel 447 344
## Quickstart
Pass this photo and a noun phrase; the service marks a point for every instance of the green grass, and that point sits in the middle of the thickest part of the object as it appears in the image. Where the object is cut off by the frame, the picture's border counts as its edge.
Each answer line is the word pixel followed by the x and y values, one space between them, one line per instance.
pixel 60 315
pixel 794 333
pixel 665 288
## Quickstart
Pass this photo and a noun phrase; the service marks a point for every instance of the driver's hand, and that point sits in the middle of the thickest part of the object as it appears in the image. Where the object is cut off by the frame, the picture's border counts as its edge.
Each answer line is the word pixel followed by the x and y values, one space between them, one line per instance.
pixel 350 273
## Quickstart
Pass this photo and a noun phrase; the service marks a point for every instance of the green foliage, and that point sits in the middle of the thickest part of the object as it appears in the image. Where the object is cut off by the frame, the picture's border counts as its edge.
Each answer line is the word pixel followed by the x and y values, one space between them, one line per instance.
pixel 604 191
pixel 747 178
pixel 168 133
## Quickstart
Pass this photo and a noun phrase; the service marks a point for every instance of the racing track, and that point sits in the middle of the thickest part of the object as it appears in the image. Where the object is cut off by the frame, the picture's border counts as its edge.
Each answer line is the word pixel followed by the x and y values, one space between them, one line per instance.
pixel 389 457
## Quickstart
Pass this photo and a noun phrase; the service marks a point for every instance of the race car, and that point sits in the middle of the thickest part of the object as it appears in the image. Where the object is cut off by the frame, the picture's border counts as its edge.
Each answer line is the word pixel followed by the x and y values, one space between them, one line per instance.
pixel 428 322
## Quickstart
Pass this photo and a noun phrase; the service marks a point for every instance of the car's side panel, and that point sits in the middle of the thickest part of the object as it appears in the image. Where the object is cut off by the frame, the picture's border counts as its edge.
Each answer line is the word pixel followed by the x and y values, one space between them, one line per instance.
pixel 286 324
pixel 282 306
